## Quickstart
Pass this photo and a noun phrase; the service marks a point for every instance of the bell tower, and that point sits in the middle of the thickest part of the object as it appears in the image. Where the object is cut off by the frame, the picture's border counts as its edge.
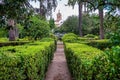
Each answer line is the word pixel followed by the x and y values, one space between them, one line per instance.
pixel 59 19
pixel 59 16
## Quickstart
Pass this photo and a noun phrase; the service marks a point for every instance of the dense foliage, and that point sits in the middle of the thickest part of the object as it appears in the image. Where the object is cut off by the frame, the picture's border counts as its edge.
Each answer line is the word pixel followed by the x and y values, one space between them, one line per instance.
pixel 3 33
pixel 52 23
pixel 91 36
pixel 20 12
pixel 114 67
pixel 89 23
pixel 115 37
pixel 37 28
pixel 112 28
pixel 13 43
pixel 70 37
pixel 30 61
pixel 100 44
pixel 91 62
pixel 25 62
pixel 70 25
pixel 85 62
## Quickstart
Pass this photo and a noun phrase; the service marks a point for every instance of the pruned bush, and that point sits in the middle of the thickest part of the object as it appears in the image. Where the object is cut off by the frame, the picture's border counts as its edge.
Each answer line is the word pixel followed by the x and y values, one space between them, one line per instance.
pixel 46 39
pixel 101 44
pixel 70 37
pixel 13 43
pixel 25 62
pixel 3 39
pixel 91 36
pixel 86 62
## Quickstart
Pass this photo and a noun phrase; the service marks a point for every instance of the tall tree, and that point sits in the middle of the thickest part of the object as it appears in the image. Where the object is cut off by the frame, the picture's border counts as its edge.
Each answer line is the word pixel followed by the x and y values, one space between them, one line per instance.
pixel 12 10
pixel 80 4
pixel 101 23
pixel 80 19
pixel 110 5
pixel 100 5
pixel 101 12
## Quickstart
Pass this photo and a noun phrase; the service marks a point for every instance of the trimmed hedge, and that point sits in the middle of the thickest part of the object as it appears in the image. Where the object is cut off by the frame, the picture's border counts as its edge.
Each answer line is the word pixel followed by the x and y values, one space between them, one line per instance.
pixel 3 39
pixel 91 36
pixel 100 44
pixel 13 43
pixel 25 62
pixel 70 37
pixel 86 62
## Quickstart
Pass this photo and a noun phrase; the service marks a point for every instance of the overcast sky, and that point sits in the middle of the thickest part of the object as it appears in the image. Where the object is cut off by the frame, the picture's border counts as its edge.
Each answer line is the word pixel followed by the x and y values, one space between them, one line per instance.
pixel 65 10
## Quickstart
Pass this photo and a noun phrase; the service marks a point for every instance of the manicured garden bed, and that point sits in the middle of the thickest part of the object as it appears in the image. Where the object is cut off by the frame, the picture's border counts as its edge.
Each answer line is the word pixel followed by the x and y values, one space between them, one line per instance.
pixel 13 43
pixel 25 62
pixel 87 63
pixel 100 44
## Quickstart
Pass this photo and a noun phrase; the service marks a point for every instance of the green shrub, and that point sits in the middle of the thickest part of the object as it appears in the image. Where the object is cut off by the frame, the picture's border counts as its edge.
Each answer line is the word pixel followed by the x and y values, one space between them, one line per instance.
pixel 114 59
pixel 70 37
pixel 91 36
pixel 25 62
pixel 37 29
pixel 100 44
pixel 53 36
pixel 13 43
pixel 115 37
pixel 3 39
pixel 3 32
pixel 46 39
pixel 86 62
pixel 82 40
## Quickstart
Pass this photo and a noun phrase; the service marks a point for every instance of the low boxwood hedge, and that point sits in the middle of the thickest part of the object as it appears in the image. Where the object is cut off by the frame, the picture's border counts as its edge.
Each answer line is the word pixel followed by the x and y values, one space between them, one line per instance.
pixel 100 44
pixel 70 37
pixel 13 43
pixel 91 36
pixel 25 62
pixel 86 62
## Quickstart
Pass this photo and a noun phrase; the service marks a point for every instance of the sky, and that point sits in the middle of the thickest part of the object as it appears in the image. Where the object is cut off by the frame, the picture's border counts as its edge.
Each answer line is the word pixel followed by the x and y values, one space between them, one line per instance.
pixel 64 10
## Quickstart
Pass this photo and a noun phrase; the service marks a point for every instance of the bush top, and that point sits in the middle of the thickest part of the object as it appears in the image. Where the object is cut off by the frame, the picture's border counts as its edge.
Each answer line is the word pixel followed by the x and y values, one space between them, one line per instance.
pixel 27 49
pixel 70 37
pixel 85 52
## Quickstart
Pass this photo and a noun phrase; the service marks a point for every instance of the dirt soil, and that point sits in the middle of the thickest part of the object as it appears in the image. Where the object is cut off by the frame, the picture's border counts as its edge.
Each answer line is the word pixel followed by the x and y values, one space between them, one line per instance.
pixel 58 69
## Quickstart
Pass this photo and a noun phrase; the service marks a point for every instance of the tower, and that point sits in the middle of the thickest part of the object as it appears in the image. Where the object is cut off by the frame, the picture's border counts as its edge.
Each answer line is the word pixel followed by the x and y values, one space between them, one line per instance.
pixel 59 18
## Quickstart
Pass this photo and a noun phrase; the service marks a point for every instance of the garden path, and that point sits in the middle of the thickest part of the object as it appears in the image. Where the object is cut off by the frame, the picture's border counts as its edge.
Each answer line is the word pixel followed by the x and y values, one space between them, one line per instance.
pixel 58 69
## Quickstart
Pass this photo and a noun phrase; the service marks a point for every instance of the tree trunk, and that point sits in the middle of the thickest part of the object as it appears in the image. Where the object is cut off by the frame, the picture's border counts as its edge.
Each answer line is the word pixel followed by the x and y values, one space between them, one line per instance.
pixel 101 23
pixel 85 7
pixel 11 34
pixel 42 10
pixel 11 25
pixel 80 19
pixel 16 32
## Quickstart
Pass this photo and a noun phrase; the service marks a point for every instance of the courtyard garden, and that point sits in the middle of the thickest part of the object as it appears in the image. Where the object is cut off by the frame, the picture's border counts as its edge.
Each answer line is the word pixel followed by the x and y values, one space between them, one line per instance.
pixel 82 47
